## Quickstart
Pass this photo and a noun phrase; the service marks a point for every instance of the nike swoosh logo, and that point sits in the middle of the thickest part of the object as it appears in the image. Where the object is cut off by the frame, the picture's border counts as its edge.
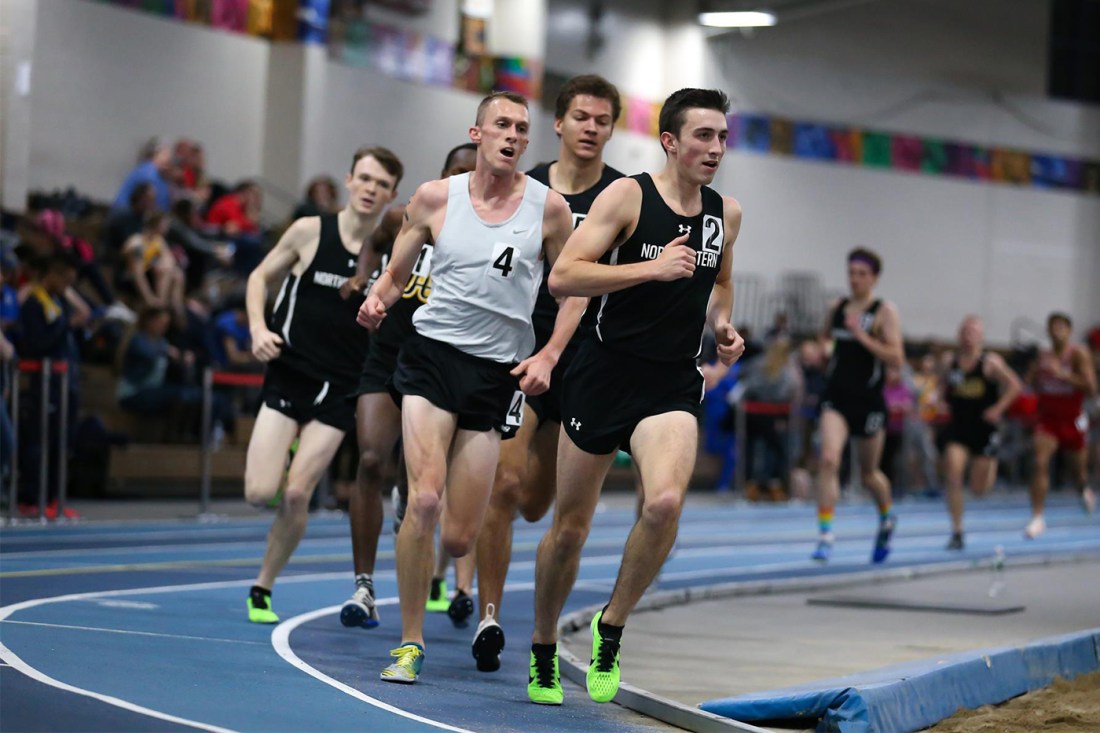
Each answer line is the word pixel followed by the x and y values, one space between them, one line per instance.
pixel 520 231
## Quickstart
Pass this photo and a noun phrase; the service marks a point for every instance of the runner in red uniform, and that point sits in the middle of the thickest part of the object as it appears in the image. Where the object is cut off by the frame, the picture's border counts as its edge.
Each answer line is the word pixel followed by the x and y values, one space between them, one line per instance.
pixel 1062 378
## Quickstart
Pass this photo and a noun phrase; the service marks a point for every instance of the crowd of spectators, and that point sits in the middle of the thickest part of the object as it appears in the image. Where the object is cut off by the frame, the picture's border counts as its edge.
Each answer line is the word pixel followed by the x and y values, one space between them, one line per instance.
pixel 150 286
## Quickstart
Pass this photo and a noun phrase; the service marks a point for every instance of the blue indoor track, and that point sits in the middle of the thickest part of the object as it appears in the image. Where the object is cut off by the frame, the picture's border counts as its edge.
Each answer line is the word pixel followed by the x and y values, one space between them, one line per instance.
pixel 142 626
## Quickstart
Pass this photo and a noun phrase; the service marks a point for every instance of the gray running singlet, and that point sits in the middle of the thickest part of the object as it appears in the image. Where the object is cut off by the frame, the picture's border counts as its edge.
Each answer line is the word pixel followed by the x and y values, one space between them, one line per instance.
pixel 485 277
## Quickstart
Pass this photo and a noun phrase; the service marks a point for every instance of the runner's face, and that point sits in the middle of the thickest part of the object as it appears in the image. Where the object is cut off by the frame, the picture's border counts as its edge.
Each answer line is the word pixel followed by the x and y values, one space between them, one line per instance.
pixel 1059 332
pixel 502 135
pixel 461 162
pixel 861 279
pixel 971 333
pixel 586 127
pixel 701 145
pixel 370 187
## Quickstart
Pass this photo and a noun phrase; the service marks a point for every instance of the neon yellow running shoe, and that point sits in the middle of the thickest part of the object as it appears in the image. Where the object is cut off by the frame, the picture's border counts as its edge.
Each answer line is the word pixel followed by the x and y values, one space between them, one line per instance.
pixel 437 597
pixel 544 681
pixel 406 670
pixel 603 671
pixel 259 612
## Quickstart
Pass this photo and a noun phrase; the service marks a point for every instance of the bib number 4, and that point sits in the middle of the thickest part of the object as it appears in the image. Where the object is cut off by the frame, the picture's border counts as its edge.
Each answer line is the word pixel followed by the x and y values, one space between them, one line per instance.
pixel 502 259
pixel 514 418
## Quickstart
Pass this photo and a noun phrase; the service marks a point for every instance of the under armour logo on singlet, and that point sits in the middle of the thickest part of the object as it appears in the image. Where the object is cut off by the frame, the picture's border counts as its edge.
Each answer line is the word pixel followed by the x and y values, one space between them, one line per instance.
pixel 574 423
pixel 684 228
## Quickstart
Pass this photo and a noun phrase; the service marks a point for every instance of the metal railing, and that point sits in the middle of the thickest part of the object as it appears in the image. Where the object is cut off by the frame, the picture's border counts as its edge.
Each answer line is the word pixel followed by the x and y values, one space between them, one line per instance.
pixel 49 369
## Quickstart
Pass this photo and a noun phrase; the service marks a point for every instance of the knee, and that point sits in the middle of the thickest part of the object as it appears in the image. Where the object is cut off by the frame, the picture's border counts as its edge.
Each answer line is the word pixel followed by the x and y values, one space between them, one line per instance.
pixel 535 507
pixel 457 544
pixel 259 490
pixel 423 509
pixel 663 509
pixel 829 465
pixel 570 534
pixel 371 465
pixel 507 486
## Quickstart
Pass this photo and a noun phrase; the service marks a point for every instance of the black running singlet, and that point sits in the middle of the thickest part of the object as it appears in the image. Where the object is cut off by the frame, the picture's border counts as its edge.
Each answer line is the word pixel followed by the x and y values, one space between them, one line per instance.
pixel 397 326
pixel 320 336
pixel 546 306
pixel 970 393
pixel 853 369
pixel 664 321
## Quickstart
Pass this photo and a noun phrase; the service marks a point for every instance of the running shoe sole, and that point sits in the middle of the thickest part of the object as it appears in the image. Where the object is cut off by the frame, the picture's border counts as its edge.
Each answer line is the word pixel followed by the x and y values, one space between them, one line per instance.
pixel 487 648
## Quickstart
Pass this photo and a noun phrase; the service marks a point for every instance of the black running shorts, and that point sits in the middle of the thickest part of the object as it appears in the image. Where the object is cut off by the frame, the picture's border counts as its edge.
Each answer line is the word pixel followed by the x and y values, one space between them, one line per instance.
pixel 482 393
pixel 606 394
pixel 378 368
pixel 304 399
pixel 980 438
pixel 864 412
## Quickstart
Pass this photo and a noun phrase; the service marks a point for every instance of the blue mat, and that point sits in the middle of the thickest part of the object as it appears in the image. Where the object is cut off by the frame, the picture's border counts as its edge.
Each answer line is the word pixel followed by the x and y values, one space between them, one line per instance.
pixel 912 696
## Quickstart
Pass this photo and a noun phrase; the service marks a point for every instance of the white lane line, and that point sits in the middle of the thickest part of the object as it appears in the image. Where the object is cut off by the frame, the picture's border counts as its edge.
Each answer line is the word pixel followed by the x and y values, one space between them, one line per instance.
pixel 132 633
pixel 13 660
pixel 280 640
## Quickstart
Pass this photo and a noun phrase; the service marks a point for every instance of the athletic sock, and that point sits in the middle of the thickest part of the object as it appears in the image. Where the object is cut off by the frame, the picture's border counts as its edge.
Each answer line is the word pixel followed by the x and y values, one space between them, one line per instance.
pixel 259 596
pixel 365 580
pixel 544 651
pixel 825 520
pixel 608 631
pixel 884 511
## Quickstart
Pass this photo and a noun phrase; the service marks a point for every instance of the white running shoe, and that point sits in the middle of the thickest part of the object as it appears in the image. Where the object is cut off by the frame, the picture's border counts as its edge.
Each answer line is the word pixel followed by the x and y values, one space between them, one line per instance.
pixel 1088 500
pixel 488 642
pixel 1035 527
pixel 359 610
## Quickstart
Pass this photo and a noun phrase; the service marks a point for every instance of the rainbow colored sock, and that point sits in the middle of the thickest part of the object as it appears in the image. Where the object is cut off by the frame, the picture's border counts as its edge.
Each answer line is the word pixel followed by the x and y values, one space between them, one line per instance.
pixel 825 520
pixel 884 511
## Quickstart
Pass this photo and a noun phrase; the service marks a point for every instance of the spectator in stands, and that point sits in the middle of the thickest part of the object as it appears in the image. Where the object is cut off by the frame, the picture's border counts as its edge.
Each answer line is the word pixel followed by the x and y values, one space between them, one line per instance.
pixel 7 433
pixel 185 231
pixel 44 333
pixel 233 340
pixel 811 362
pixel 155 168
pixel 52 223
pixel 768 380
pixel 236 218
pixel 921 435
pixel 156 275
pixel 238 212
pixel 900 405
pixel 125 223
pixel 322 197
pixel 780 328
pixel 143 385
pixel 9 297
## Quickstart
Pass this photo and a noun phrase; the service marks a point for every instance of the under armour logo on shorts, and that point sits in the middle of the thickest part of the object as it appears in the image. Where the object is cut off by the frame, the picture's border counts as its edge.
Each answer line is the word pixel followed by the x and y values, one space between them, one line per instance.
pixel 684 228
pixel 574 423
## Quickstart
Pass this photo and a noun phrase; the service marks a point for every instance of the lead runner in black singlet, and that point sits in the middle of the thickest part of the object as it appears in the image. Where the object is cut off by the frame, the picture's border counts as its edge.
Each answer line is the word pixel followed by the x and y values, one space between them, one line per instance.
pixel 978 387
pixel 314 351
pixel 585 114
pixel 378 418
pixel 866 336
pixel 669 239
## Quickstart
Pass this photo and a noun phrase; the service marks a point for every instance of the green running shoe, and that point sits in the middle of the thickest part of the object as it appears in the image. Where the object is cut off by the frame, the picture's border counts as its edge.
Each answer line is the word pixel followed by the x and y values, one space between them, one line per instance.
pixel 544 682
pixel 603 670
pixel 259 612
pixel 437 597
pixel 406 670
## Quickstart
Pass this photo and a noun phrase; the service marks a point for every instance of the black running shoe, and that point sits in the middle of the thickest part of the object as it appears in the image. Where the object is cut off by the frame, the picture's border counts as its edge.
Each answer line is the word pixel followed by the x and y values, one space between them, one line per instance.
pixel 460 610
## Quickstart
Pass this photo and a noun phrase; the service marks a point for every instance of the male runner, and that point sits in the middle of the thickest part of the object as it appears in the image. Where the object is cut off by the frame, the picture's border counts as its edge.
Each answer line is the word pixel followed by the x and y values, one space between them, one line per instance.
pixel 1062 378
pixel 866 335
pixel 457 376
pixel 978 387
pixel 636 384
pixel 584 117
pixel 314 352
pixel 378 419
